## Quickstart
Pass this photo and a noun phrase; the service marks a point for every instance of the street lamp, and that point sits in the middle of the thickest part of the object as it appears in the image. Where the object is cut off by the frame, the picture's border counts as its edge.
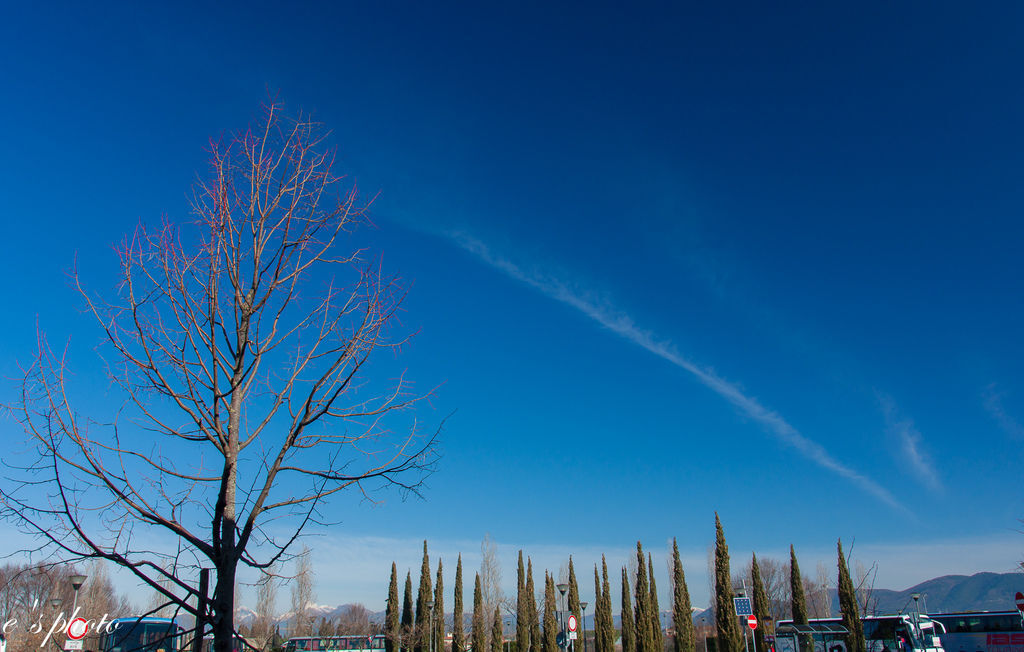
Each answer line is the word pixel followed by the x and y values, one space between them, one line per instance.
pixel 705 632
pixel 562 588
pixel 76 583
pixel 55 603
pixel 917 614
pixel 583 607
pixel 429 604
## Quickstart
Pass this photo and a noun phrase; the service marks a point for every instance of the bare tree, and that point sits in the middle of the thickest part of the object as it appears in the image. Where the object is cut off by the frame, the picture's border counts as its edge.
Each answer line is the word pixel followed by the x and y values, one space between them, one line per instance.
pixel 302 595
pixel 355 619
pixel 490 581
pixel 775 575
pixel 266 609
pixel 864 586
pixel 36 596
pixel 819 598
pixel 240 347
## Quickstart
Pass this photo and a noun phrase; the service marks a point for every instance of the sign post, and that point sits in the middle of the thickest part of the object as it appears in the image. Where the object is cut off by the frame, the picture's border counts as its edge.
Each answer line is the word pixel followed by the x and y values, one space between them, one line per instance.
pixel 744 608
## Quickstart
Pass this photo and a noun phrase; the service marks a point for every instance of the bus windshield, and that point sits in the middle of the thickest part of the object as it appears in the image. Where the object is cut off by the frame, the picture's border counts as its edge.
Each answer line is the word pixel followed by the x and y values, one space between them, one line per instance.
pixel 142 635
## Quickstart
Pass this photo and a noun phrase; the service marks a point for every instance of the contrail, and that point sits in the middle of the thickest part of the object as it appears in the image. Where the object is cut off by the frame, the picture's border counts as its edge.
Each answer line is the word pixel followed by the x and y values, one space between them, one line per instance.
pixel 624 326
pixel 911 444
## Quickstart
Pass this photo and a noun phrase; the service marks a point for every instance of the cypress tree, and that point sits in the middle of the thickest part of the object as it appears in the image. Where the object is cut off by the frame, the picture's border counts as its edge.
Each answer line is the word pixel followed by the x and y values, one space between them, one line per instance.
pixel 439 610
pixel 799 602
pixel 608 633
pixel 550 642
pixel 626 616
pixel 497 631
pixel 598 614
pixel 726 625
pixel 407 615
pixel 531 605
pixel 574 602
pixel 682 612
pixel 642 590
pixel 422 633
pixel 796 590
pixel 848 606
pixel 659 637
pixel 479 636
pixel 392 615
pixel 522 610
pixel 458 636
pixel 604 626
pixel 762 609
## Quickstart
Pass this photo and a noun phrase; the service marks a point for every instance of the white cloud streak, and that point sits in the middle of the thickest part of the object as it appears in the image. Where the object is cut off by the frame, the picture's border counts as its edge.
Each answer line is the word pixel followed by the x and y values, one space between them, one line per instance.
pixel 993 401
pixel 623 326
pixel 911 445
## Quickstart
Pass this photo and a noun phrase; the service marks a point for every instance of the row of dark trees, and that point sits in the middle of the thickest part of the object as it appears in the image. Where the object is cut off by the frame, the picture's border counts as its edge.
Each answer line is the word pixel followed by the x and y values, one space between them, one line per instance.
pixel 421 627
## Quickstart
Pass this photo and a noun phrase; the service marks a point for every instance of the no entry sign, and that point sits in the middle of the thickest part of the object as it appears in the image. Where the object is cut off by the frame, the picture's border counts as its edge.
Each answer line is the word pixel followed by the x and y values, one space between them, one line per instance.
pixel 752 622
pixel 1020 601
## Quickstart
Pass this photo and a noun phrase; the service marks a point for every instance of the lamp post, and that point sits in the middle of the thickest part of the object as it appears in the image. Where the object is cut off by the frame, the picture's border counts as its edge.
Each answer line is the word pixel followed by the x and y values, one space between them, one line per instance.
pixel 917 614
pixel 705 632
pixel 583 608
pixel 76 583
pixel 429 604
pixel 55 603
pixel 562 588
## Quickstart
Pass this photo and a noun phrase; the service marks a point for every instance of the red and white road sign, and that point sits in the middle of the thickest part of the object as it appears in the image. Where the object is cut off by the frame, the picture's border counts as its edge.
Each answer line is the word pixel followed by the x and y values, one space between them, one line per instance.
pixel 752 622
pixel 572 622
pixel 1020 601
pixel 77 629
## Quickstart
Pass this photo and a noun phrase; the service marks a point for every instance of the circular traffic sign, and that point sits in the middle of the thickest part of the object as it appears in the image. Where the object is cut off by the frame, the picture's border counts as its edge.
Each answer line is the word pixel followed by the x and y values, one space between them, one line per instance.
pixel 1020 601
pixel 752 622
pixel 78 628
pixel 572 622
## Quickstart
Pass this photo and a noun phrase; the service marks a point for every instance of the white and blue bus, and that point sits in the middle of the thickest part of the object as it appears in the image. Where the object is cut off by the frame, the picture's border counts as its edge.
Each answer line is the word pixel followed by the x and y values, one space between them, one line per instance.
pixel 982 631
pixel 896 633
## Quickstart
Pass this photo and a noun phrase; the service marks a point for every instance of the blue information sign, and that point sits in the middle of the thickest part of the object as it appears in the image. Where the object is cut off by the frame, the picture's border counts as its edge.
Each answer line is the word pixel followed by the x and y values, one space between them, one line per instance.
pixel 743 606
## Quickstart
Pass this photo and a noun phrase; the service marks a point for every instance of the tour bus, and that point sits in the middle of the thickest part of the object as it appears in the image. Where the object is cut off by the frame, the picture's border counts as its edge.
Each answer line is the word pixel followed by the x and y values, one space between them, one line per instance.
pixel 238 644
pixel 335 644
pixel 898 633
pixel 141 634
pixel 982 631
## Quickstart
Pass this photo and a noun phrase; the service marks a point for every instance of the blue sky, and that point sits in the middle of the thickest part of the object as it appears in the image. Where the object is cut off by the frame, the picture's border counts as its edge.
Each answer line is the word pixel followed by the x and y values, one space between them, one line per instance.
pixel 664 260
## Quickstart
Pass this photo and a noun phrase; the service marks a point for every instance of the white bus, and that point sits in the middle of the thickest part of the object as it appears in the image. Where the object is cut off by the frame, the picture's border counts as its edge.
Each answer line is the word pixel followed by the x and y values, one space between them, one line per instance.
pixel 982 631
pixel 898 633
pixel 335 644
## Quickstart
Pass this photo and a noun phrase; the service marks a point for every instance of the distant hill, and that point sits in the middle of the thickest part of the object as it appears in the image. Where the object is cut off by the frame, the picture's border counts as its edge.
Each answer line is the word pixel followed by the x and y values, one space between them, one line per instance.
pixel 979 592
pixel 946 594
